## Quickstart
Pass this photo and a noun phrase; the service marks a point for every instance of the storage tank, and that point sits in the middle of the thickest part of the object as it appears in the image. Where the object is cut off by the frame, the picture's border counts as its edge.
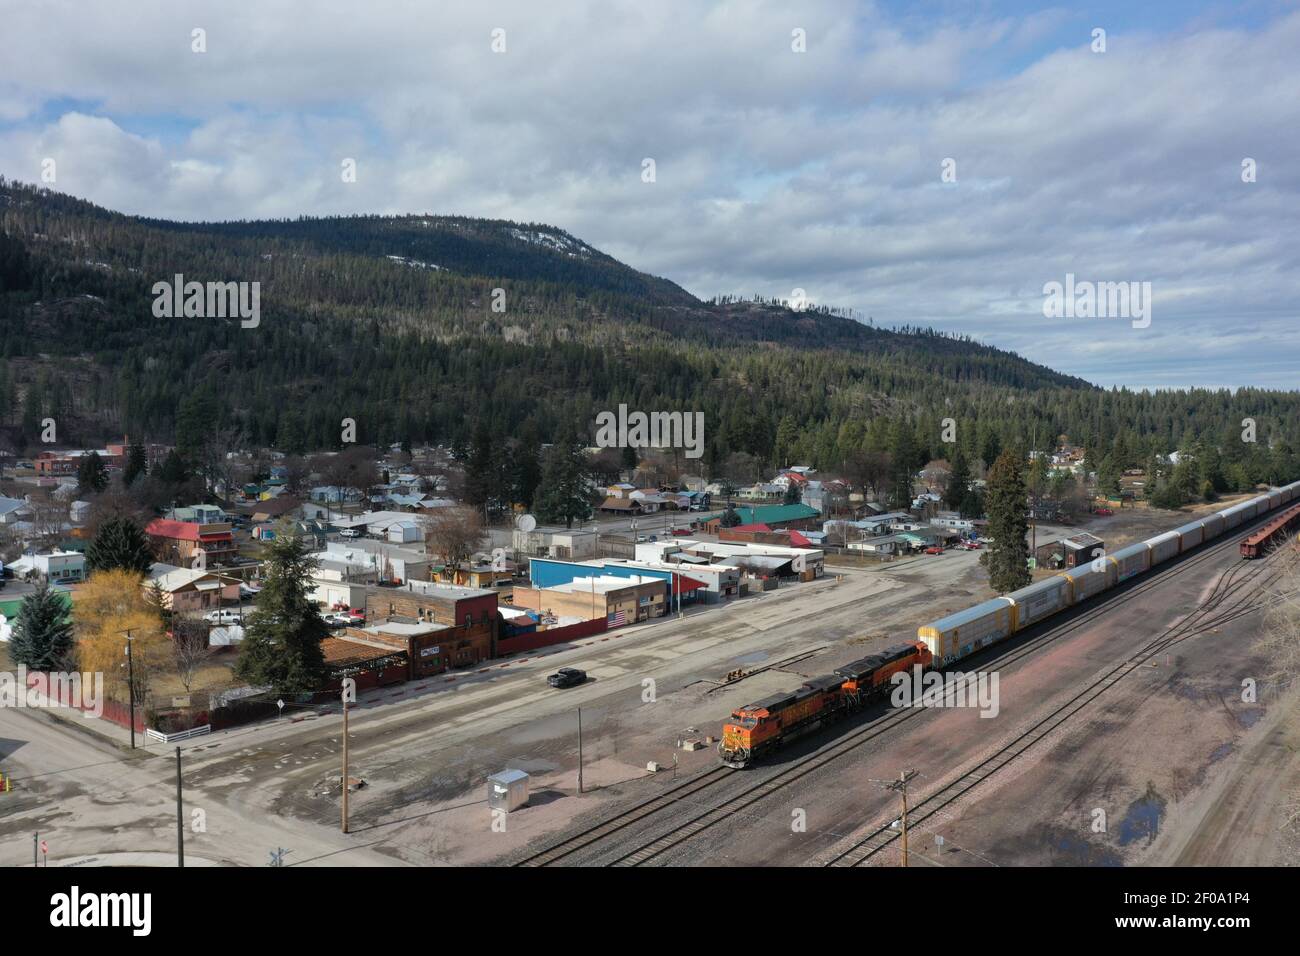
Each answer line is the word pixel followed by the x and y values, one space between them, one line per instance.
pixel 1039 600
pixel 957 635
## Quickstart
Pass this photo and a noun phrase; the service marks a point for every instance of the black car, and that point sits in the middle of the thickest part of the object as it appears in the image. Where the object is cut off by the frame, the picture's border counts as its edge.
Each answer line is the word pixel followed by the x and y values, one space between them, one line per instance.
pixel 567 677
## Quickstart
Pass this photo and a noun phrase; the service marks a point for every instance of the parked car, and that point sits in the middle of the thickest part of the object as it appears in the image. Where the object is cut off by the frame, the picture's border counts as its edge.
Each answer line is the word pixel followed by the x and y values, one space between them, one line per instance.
pixel 971 545
pixel 567 677
pixel 336 619
pixel 681 532
pixel 1104 512
pixel 249 591
pixel 934 549
pixel 350 533
pixel 224 616
pixel 641 539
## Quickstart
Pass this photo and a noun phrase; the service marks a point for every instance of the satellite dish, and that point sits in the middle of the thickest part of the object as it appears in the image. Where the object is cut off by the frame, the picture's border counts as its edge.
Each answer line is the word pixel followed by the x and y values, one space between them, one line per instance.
pixel 525 523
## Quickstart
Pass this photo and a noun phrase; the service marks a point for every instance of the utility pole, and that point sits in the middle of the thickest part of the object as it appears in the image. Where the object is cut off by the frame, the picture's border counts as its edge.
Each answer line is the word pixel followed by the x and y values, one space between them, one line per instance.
pixel 180 815
pixel 579 751
pixel 899 786
pixel 36 843
pixel 130 686
pixel 344 821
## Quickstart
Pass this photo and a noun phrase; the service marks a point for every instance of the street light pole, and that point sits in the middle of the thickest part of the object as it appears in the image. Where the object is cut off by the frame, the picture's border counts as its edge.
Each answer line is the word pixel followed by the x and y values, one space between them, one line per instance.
pixel 579 751
pixel 180 815
pixel 130 686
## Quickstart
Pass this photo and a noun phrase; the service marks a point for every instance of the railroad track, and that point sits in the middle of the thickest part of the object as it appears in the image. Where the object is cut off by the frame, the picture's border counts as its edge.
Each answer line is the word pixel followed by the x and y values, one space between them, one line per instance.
pixel 710 815
pixel 1197 622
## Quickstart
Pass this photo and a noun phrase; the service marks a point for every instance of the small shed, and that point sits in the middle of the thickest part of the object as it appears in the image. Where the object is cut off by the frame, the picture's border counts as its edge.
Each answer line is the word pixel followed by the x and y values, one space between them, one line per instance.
pixel 508 790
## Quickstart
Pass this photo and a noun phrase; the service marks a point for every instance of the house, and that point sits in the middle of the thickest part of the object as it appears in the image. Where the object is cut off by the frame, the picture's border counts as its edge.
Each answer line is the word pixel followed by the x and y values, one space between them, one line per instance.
pixel 884 544
pixel 272 509
pixel 565 543
pixel 190 590
pixel 13 510
pixel 184 542
pixel 57 567
pixel 361 558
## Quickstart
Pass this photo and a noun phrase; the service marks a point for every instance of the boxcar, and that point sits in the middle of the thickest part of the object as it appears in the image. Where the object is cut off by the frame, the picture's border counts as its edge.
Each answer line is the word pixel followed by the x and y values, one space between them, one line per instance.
pixel 1163 546
pixel 1089 579
pixel 1039 600
pixel 1213 525
pixel 957 635
pixel 1234 516
pixel 1274 498
pixel 1132 560
pixel 1190 535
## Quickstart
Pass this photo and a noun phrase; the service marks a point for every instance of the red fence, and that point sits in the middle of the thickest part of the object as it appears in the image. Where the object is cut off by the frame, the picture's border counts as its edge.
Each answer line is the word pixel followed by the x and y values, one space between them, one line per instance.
pixel 555 635
pixel 113 710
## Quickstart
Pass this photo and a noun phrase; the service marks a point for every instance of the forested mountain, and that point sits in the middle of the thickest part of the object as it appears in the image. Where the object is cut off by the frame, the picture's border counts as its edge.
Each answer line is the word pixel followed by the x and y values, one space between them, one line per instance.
pixel 390 321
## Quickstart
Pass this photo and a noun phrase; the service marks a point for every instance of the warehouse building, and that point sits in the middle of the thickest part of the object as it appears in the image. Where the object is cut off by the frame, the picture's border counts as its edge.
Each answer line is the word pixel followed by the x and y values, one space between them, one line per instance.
pixel 619 599
pixel 470 615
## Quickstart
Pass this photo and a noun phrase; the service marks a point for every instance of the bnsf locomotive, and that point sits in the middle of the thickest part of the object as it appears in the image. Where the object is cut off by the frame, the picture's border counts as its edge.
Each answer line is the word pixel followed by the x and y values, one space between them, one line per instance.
pixel 757 729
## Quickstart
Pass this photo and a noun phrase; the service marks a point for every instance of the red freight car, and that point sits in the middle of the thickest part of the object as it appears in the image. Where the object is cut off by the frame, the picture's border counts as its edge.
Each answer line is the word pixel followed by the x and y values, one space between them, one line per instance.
pixel 1258 543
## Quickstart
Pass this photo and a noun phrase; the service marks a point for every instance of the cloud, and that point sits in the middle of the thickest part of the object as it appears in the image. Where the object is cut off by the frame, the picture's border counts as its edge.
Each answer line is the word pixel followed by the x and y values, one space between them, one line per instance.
pixel 775 169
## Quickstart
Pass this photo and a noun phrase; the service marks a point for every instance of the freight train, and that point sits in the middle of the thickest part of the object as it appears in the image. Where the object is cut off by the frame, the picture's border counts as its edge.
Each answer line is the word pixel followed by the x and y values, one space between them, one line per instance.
pixel 1258 543
pixel 961 634
pixel 758 729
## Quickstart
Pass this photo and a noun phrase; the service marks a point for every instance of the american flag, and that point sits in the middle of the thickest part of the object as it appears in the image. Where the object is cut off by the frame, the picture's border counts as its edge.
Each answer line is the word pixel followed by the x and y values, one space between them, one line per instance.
pixel 618 619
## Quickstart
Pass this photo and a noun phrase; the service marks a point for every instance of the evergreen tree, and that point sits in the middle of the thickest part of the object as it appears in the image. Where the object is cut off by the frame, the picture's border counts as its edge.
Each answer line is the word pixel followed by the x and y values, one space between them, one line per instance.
pixel 92 476
pixel 793 495
pixel 119 543
pixel 42 635
pixel 958 481
pixel 480 471
pixel 136 466
pixel 173 470
pixel 730 518
pixel 526 468
pixel 1005 498
pixel 1108 473
pixel 282 643
pixel 562 494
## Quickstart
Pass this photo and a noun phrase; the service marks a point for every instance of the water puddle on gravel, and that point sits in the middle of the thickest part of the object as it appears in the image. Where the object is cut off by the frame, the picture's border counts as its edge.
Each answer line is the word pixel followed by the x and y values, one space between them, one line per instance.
pixel 1142 821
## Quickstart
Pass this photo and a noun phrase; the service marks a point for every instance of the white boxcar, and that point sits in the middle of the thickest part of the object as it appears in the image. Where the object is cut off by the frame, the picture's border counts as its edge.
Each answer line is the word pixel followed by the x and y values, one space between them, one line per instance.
pixel 1132 560
pixel 1163 546
pixel 1234 516
pixel 1190 535
pixel 957 635
pixel 1089 579
pixel 1039 600
pixel 1213 525
pixel 1274 498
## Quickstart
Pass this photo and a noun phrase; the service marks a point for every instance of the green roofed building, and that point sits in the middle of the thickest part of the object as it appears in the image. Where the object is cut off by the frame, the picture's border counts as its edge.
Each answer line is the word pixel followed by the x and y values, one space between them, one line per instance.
pixel 798 516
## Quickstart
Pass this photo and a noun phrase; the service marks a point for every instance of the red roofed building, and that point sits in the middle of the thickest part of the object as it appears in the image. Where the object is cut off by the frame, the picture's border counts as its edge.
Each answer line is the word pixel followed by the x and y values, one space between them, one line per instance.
pixel 180 542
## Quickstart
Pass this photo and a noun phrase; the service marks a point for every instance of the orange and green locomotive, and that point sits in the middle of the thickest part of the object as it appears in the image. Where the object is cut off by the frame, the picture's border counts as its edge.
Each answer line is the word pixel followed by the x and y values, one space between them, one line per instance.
pixel 759 728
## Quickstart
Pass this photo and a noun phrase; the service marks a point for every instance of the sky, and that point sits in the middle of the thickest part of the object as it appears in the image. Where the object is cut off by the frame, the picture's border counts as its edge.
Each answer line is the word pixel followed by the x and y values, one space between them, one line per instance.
pixel 925 163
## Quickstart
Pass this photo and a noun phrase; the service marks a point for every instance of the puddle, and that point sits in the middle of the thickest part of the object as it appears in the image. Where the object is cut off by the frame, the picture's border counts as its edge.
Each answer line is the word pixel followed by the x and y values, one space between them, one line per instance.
pixel 1142 821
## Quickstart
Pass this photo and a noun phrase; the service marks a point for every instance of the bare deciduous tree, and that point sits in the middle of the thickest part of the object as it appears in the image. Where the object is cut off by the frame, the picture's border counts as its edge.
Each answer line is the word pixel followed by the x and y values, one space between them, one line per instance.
pixel 190 649
pixel 453 534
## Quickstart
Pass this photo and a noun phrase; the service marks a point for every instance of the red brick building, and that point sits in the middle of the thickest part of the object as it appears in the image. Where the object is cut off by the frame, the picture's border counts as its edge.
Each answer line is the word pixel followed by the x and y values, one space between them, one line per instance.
pixel 469 615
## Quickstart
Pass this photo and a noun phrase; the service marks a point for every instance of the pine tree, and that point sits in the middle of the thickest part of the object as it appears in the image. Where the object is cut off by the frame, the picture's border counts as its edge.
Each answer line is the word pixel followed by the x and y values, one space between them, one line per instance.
pixel 958 481
pixel 562 494
pixel 42 635
pixel 1108 476
pixel 173 470
pixel 1007 559
pixel 119 543
pixel 136 466
pixel 282 643
pixel 92 476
